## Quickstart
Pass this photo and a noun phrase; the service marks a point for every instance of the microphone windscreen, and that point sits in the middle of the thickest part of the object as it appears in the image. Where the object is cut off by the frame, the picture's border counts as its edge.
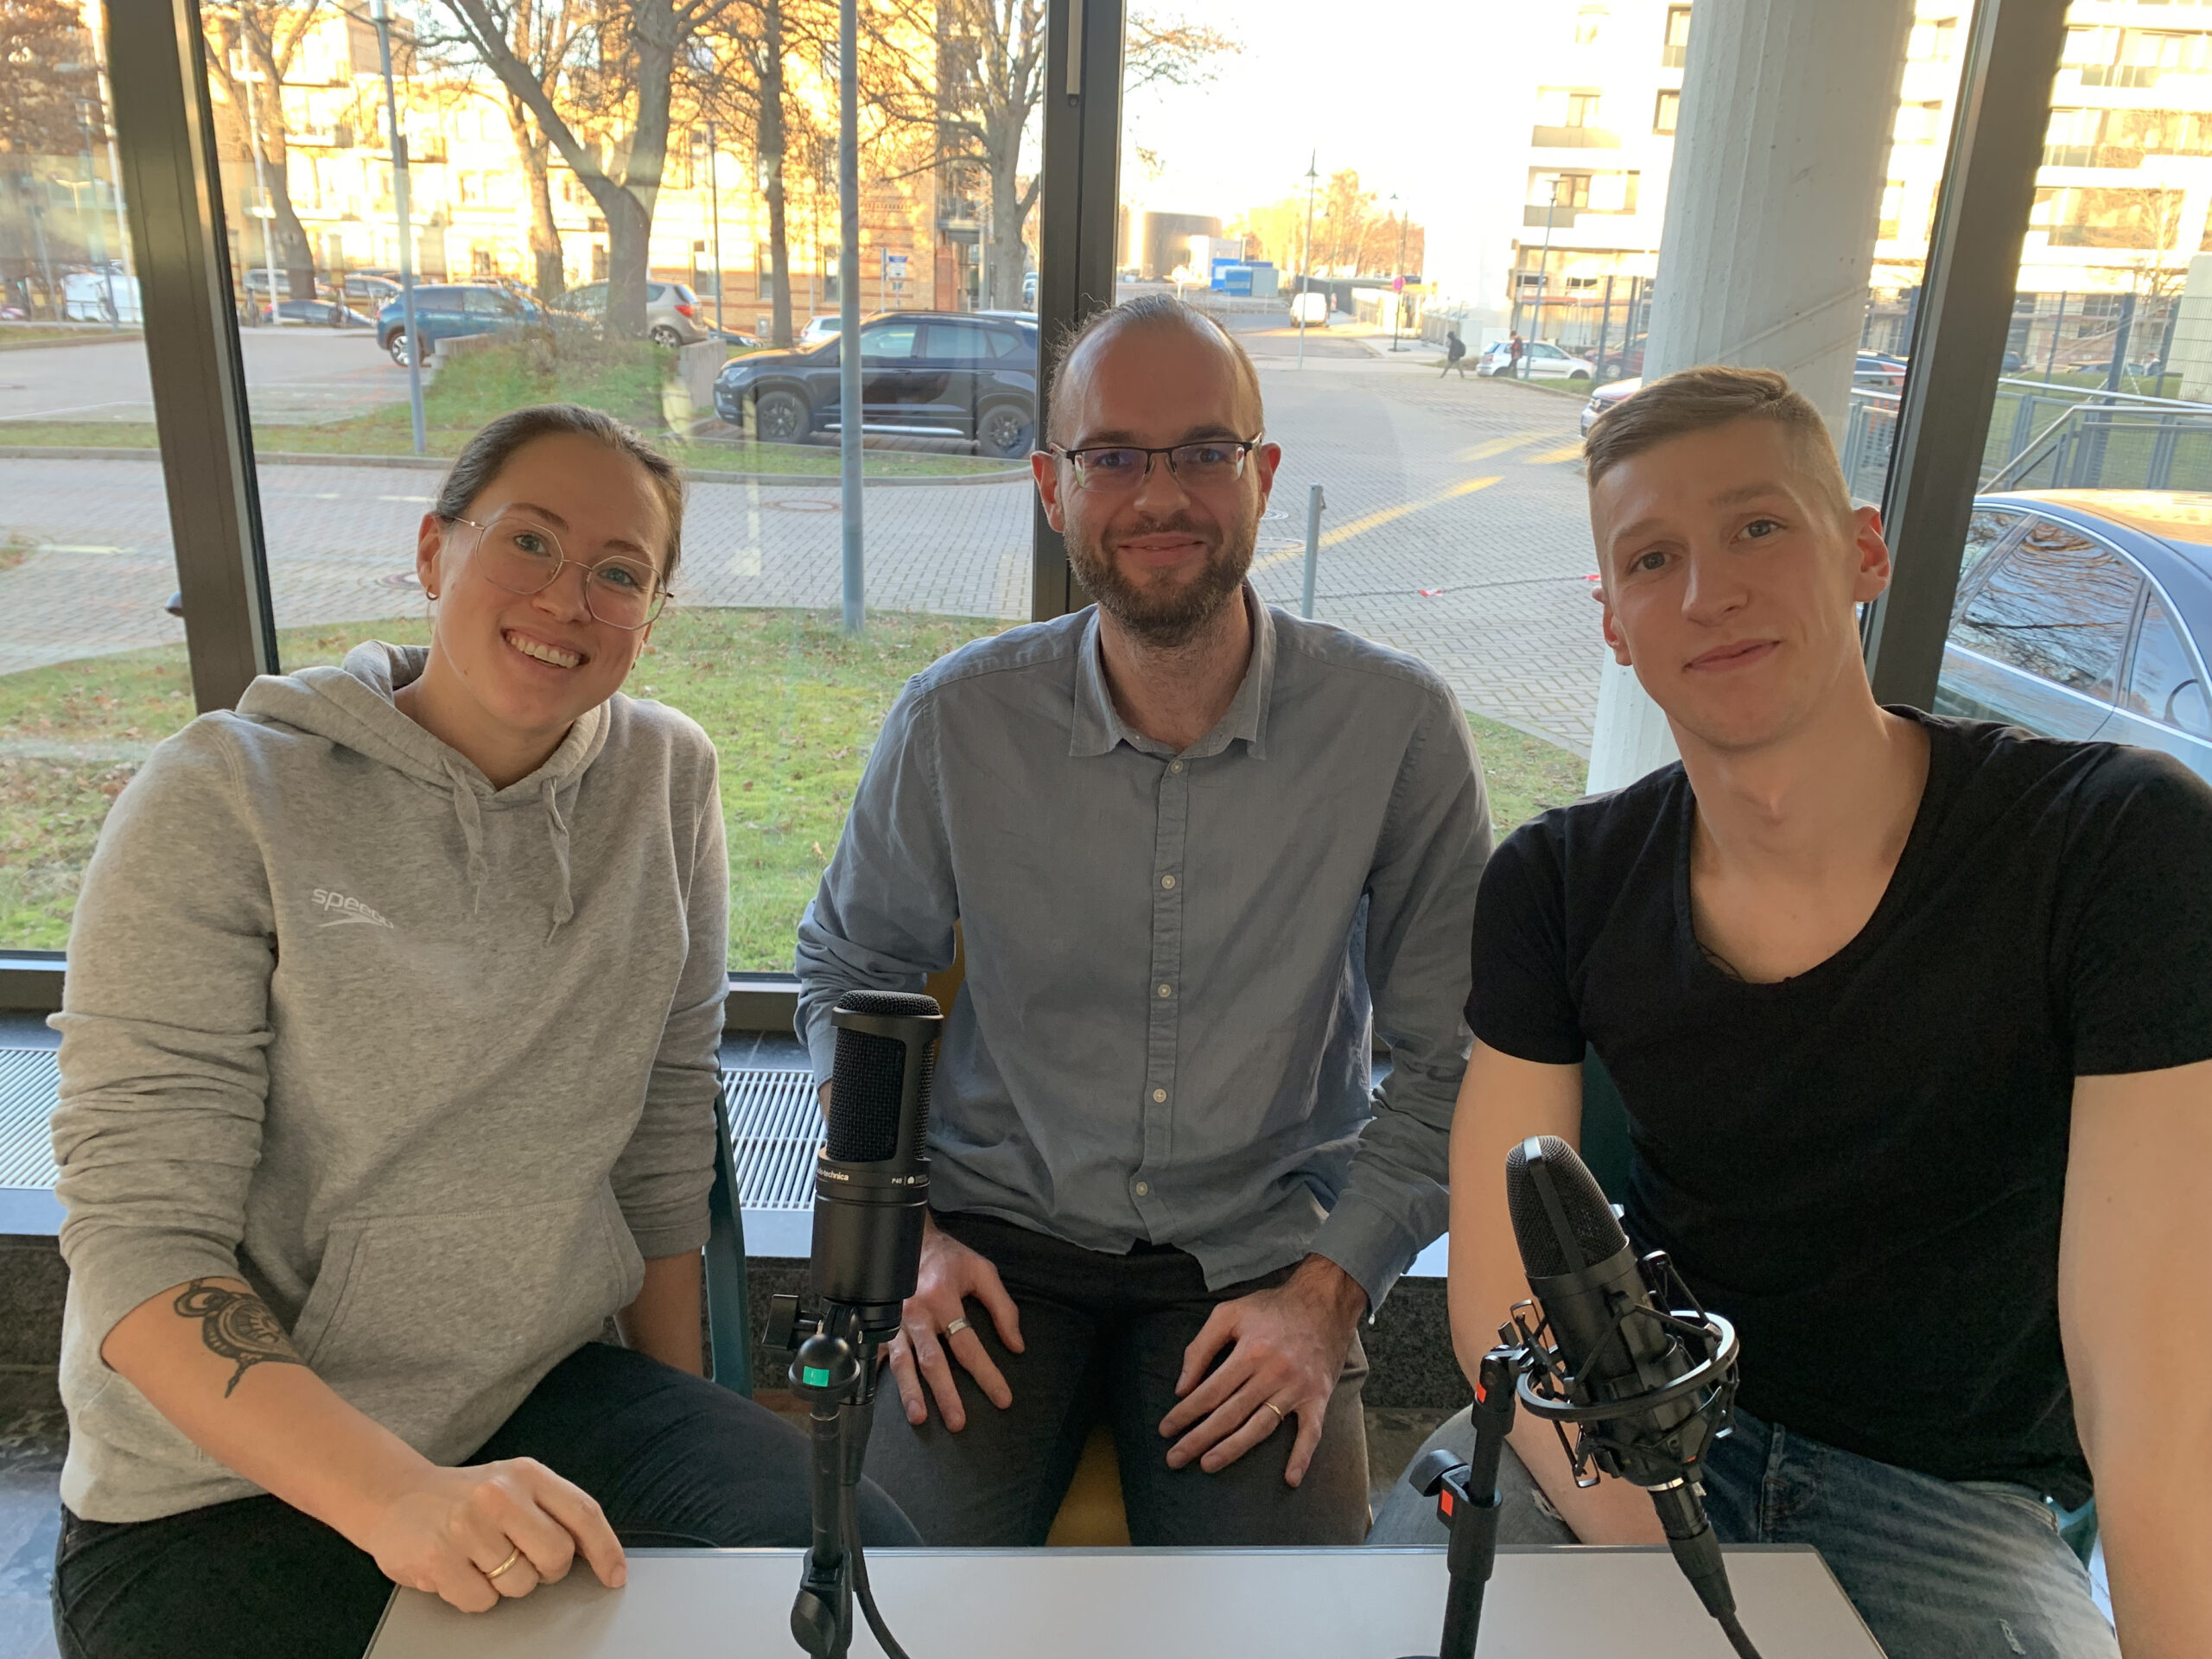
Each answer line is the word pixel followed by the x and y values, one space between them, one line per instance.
pixel 868 1080
pixel 1592 1230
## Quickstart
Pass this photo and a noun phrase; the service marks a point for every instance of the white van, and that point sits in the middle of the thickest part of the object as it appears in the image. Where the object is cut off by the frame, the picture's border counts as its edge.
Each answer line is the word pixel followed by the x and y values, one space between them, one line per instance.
pixel 1311 307
pixel 86 296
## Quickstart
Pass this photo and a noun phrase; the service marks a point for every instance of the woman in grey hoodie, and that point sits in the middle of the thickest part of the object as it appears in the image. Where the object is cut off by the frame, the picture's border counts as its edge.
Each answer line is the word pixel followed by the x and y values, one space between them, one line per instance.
pixel 388 1068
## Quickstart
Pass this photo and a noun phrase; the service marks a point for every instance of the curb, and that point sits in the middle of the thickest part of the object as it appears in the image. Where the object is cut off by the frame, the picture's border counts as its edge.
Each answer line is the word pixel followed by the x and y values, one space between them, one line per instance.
pixel 439 463
pixel 103 339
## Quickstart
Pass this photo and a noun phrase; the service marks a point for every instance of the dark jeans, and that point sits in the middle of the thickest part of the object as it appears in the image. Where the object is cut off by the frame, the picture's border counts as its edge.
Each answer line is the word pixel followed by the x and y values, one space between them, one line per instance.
pixel 1104 1338
pixel 673 1460
pixel 1939 1569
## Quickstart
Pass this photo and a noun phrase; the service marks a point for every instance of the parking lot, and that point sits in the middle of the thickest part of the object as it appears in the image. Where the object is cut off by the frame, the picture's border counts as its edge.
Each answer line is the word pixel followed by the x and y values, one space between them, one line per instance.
pixel 1455 525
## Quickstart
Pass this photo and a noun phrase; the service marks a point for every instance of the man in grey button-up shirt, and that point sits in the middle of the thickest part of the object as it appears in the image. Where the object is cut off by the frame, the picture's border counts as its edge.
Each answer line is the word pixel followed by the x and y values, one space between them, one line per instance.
pixel 1193 845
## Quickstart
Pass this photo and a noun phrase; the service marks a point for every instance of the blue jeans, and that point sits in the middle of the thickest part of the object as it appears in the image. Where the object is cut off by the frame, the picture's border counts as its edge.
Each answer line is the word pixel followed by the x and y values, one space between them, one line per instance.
pixel 1938 1569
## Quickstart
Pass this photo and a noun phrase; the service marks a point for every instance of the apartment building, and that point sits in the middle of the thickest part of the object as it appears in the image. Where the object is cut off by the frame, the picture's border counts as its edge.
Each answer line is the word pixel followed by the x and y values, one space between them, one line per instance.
pixel 2121 203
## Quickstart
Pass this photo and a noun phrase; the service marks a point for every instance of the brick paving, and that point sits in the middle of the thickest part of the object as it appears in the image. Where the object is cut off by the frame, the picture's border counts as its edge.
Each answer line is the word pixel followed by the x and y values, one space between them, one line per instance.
pixel 1467 487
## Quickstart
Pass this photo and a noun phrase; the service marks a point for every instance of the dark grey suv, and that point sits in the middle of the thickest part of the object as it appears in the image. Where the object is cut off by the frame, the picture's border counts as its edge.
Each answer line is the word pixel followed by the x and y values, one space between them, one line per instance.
pixel 923 374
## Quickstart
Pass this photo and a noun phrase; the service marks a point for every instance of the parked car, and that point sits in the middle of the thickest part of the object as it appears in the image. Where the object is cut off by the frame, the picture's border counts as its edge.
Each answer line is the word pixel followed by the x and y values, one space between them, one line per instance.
pixel 672 311
pixel 1879 371
pixel 820 328
pixel 923 373
pixel 2087 614
pixel 1546 361
pixel 327 314
pixel 737 339
pixel 449 311
pixel 1604 399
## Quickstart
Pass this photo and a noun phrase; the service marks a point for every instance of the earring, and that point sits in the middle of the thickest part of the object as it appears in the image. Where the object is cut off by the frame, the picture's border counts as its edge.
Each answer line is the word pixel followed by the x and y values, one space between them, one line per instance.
pixel 429 594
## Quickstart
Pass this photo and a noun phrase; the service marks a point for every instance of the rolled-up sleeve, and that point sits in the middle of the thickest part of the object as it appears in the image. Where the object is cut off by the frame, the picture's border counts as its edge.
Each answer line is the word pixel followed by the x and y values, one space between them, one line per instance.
pixel 1421 907
pixel 664 1173
pixel 883 919
pixel 164 1032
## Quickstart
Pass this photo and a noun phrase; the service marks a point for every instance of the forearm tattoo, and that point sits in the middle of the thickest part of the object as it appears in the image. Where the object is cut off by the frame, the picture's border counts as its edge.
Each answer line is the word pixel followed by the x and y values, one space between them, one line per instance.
pixel 237 1325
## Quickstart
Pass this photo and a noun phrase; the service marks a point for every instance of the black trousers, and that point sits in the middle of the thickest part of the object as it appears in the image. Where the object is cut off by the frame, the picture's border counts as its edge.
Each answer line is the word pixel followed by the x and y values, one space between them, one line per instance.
pixel 1104 1338
pixel 672 1460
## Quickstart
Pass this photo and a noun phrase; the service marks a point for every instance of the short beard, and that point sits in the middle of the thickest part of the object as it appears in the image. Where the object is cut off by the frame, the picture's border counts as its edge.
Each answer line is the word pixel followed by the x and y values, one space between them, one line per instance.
pixel 1166 618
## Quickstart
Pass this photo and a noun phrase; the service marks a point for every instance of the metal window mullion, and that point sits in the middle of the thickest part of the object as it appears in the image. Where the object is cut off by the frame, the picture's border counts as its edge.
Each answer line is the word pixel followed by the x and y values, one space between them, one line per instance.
pixel 165 128
pixel 1957 349
pixel 1077 207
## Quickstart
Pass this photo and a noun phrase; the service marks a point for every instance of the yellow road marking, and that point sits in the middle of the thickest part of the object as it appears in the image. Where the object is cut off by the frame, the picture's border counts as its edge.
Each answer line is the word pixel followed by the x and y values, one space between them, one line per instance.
pixel 1380 517
pixel 1489 447
pixel 1565 452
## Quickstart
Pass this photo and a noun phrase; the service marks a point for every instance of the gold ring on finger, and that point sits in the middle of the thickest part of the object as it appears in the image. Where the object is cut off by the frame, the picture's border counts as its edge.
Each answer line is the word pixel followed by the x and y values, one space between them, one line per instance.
pixel 956 1326
pixel 514 1555
pixel 1271 1405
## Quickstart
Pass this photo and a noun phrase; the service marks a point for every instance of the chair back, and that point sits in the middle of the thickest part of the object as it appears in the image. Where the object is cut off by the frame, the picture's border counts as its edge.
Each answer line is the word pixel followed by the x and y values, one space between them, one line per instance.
pixel 729 1304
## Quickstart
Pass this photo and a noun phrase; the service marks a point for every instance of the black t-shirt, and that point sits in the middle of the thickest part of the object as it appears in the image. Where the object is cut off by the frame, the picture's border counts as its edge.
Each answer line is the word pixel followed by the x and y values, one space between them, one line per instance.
pixel 1863 1167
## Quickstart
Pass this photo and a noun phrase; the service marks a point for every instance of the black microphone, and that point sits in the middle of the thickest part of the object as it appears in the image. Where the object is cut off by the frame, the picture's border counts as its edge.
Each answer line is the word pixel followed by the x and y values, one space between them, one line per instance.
pixel 872 1179
pixel 1649 1403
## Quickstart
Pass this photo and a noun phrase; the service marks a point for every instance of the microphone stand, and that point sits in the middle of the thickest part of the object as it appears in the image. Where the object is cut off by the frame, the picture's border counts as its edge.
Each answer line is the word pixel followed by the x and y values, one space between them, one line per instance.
pixel 835 1371
pixel 1468 1501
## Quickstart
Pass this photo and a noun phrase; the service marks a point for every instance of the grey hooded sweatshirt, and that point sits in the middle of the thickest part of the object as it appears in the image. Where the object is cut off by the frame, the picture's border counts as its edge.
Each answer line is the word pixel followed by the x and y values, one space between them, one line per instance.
pixel 429 1065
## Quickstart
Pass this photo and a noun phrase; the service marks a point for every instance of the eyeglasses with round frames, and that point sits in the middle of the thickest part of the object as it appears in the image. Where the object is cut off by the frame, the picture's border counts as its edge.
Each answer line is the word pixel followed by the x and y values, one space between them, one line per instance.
pixel 518 554
pixel 1115 468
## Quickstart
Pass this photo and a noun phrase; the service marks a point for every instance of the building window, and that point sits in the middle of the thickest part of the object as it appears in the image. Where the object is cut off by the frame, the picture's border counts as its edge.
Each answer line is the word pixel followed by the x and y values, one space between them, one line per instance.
pixel 1933 43
pixel 1919 123
pixel 1582 109
pixel 2144 219
pixel 1892 211
pixel 1586 25
pixel 1560 189
pixel 1676 51
pixel 1667 113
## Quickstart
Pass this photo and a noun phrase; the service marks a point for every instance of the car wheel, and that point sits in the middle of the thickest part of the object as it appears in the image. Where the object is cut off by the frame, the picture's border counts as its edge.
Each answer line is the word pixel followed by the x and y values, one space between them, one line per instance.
pixel 778 418
pixel 665 335
pixel 1004 429
pixel 1577 375
pixel 397 346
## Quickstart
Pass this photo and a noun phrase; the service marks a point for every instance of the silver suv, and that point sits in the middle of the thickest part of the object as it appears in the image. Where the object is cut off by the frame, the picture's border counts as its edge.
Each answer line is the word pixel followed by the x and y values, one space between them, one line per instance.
pixel 672 311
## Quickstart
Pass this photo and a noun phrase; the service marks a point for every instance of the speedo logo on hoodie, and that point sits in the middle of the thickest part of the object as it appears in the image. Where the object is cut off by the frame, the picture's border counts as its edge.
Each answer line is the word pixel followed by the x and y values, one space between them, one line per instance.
pixel 339 910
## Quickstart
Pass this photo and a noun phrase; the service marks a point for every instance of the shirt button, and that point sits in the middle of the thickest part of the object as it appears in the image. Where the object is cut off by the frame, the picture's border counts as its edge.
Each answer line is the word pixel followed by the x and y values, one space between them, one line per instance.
pixel 1167 990
pixel 1174 765
pixel 1159 1096
pixel 1166 881
pixel 1143 1188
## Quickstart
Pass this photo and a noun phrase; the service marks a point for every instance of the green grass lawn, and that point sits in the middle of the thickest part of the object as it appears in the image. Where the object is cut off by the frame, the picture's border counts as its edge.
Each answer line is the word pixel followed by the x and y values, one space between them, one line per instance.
pixel 792 703
pixel 624 378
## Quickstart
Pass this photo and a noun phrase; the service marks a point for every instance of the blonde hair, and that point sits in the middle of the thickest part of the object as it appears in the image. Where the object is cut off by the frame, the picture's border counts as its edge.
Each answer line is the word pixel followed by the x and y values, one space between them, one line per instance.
pixel 1700 399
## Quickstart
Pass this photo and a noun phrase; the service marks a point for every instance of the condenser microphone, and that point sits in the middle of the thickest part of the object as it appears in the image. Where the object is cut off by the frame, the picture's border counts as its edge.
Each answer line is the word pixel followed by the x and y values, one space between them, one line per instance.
pixel 1648 1406
pixel 872 1179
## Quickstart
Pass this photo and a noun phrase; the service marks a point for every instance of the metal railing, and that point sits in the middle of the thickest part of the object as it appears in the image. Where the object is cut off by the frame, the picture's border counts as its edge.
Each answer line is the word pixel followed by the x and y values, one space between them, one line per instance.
pixel 2046 436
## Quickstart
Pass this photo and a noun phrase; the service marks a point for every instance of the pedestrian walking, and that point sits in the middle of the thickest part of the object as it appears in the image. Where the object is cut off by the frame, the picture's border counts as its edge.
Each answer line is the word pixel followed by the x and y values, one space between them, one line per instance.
pixel 1455 353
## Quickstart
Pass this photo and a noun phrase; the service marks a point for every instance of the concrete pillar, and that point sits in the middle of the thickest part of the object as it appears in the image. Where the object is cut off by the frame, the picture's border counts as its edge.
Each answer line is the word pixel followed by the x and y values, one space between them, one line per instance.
pixel 1771 202
pixel 2192 351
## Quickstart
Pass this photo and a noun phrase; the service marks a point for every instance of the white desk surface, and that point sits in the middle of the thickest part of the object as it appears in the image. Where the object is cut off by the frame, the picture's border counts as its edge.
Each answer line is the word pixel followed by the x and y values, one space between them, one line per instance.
pixel 1115 1604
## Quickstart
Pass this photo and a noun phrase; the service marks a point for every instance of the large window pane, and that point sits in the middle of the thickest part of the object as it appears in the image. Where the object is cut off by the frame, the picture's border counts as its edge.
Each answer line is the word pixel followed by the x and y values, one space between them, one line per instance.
pixel 92 669
pixel 709 322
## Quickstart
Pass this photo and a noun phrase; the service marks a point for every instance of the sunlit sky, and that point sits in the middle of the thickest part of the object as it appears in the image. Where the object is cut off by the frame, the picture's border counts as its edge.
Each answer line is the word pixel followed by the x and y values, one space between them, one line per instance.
pixel 1398 92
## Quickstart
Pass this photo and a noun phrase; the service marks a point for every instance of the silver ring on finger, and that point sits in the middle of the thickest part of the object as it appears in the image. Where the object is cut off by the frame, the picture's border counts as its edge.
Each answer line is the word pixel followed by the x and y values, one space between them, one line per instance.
pixel 958 1326
pixel 514 1555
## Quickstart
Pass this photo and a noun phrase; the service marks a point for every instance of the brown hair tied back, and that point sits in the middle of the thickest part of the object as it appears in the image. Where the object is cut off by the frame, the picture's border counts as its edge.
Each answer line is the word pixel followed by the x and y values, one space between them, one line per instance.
pixel 487 453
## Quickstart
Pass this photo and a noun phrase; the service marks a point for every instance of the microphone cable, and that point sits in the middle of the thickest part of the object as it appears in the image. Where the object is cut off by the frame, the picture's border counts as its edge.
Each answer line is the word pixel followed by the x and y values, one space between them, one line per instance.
pixel 848 1519
pixel 1730 1627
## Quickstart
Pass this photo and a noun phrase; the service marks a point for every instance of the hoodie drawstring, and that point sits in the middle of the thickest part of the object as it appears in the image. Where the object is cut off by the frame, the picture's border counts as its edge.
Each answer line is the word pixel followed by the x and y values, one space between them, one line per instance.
pixel 471 832
pixel 564 903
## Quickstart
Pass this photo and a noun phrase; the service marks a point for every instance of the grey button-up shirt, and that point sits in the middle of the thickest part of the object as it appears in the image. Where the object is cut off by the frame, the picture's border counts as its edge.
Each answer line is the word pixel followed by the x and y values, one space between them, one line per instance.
pixel 1172 959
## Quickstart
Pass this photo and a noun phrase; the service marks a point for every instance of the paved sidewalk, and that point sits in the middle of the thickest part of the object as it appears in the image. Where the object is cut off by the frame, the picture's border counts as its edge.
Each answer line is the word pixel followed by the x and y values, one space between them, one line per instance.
pixel 1466 488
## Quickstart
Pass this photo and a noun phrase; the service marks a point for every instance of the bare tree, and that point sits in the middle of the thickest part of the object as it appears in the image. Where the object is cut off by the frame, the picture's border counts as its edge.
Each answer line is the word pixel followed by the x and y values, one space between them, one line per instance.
pixel 623 78
pixel 978 83
pixel 46 66
pixel 251 47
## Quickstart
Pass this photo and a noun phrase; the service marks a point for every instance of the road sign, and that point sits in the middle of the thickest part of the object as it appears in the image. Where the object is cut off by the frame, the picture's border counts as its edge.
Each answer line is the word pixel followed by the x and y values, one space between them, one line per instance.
pixel 1397 284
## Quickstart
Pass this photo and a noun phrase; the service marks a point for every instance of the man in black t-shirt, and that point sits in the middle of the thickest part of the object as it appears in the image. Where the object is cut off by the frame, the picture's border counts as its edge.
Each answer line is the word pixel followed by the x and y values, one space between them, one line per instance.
pixel 1913 1021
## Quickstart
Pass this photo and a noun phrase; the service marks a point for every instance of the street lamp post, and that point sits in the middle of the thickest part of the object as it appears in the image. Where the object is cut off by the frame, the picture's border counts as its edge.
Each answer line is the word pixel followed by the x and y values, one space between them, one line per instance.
pixel 1306 277
pixel 114 159
pixel 406 227
pixel 714 195
pixel 267 210
pixel 1398 287
pixel 1543 279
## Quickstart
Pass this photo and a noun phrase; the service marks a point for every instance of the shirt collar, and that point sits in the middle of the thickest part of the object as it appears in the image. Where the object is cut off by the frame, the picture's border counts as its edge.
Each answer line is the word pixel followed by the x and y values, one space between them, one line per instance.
pixel 1098 728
